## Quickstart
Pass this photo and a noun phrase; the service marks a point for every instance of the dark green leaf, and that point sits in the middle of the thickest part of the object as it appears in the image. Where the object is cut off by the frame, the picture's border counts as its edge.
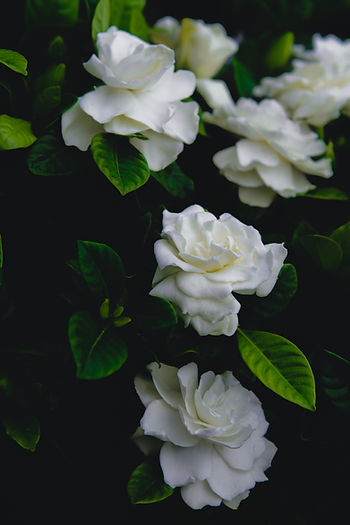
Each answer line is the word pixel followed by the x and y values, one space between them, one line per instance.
pixel 48 156
pixel 279 365
pixel 124 166
pixel 124 14
pixel 47 101
pixel 15 133
pixel 334 194
pixel 51 13
pixel 102 269
pixel 97 352
pixel 281 295
pixel 57 48
pixel 335 377
pixel 157 313
pixel 280 51
pixel 243 78
pixel 24 429
pixel 342 236
pixel 14 61
pixel 325 252
pixel 146 485
pixel 174 180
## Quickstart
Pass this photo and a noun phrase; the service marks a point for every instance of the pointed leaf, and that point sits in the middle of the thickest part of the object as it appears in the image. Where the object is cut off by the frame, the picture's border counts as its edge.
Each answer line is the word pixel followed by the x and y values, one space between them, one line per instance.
pixel 124 14
pixel 146 485
pixel 280 51
pixel 325 252
pixel 334 194
pixel 14 61
pixel 157 313
pixel 243 78
pixel 279 365
pixel 48 156
pixel 24 429
pixel 174 180
pixel 124 166
pixel 342 236
pixel 52 13
pixel 282 293
pixel 97 352
pixel 15 133
pixel 102 269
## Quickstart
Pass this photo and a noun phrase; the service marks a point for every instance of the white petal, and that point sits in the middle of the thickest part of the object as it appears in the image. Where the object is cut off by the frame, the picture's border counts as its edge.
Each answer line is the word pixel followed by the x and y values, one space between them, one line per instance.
pixel 214 92
pixel 199 494
pixel 150 111
pixel 106 102
pixel 145 390
pixel 183 125
pixel 159 150
pixel 199 287
pixel 261 196
pixel 147 444
pixel 174 86
pixel 167 255
pixel 279 253
pixel 122 125
pixel 226 326
pixel 164 422
pixel 166 382
pixel 188 378
pixel 78 128
pixel 250 152
pixel 166 31
pixel 182 465
pixel 234 503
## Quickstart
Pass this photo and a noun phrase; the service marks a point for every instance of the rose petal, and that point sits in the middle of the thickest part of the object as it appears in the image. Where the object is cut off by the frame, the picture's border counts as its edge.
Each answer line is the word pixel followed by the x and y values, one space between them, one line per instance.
pixel 78 128
pixel 159 150
pixel 279 253
pixel 145 390
pixel 182 465
pixel 105 102
pixel 215 92
pixel 166 381
pixel 188 378
pixel 183 125
pixel 261 196
pixel 199 494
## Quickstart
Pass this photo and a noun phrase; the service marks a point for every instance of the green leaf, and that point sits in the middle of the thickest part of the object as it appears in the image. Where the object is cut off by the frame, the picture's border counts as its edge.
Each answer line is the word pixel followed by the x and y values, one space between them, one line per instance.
pixel 97 353
pixel 124 166
pixel 174 180
pixel 102 270
pixel 48 156
pixel 14 61
pixel 243 78
pixel 279 365
pixel 342 236
pixel 57 48
pixel 51 12
pixel 280 51
pixel 15 133
pixel 146 485
pixel 47 101
pixel 334 194
pixel 157 313
pixel 124 14
pixel 281 295
pixel 324 251
pixel 24 429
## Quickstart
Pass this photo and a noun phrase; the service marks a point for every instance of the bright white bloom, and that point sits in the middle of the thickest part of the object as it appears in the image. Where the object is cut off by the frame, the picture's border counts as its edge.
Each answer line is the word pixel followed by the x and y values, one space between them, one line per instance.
pixel 211 433
pixel 140 93
pixel 200 47
pixel 202 260
pixel 318 87
pixel 275 153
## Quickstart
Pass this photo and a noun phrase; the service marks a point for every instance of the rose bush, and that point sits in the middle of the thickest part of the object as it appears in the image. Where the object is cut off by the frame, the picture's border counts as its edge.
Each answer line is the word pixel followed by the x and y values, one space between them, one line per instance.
pixel 317 88
pixel 276 152
pixel 202 260
pixel 199 47
pixel 140 93
pixel 211 433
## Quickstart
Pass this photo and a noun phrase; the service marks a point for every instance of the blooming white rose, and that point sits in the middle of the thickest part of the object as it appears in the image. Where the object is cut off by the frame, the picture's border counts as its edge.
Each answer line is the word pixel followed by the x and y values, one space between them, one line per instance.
pixel 211 433
pixel 317 88
pixel 276 152
pixel 200 47
pixel 202 260
pixel 140 93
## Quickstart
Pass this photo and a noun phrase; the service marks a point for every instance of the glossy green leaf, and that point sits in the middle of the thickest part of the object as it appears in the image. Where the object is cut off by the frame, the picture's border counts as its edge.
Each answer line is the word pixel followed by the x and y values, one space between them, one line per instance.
pixel 282 293
pixel 97 352
pixel 243 78
pixel 146 485
pixel 279 365
pixel 14 61
pixel 156 313
pixel 52 12
pixel 102 270
pixel 24 429
pixel 342 236
pixel 325 252
pixel 334 194
pixel 174 180
pixel 48 156
pixel 280 51
pixel 124 166
pixel 124 14
pixel 15 133
pixel 335 379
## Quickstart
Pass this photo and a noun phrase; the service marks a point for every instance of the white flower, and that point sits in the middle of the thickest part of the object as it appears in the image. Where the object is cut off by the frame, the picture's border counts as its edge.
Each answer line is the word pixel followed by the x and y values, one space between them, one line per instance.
pixel 211 433
pixel 202 260
pixel 140 93
pixel 317 88
pixel 200 47
pixel 276 152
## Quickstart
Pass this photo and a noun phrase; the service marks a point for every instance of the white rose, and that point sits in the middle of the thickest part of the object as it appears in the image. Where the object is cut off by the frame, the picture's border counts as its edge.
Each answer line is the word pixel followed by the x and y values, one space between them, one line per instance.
pixel 202 260
pixel 140 93
pixel 200 47
pixel 275 154
pixel 317 88
pixel 210 432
